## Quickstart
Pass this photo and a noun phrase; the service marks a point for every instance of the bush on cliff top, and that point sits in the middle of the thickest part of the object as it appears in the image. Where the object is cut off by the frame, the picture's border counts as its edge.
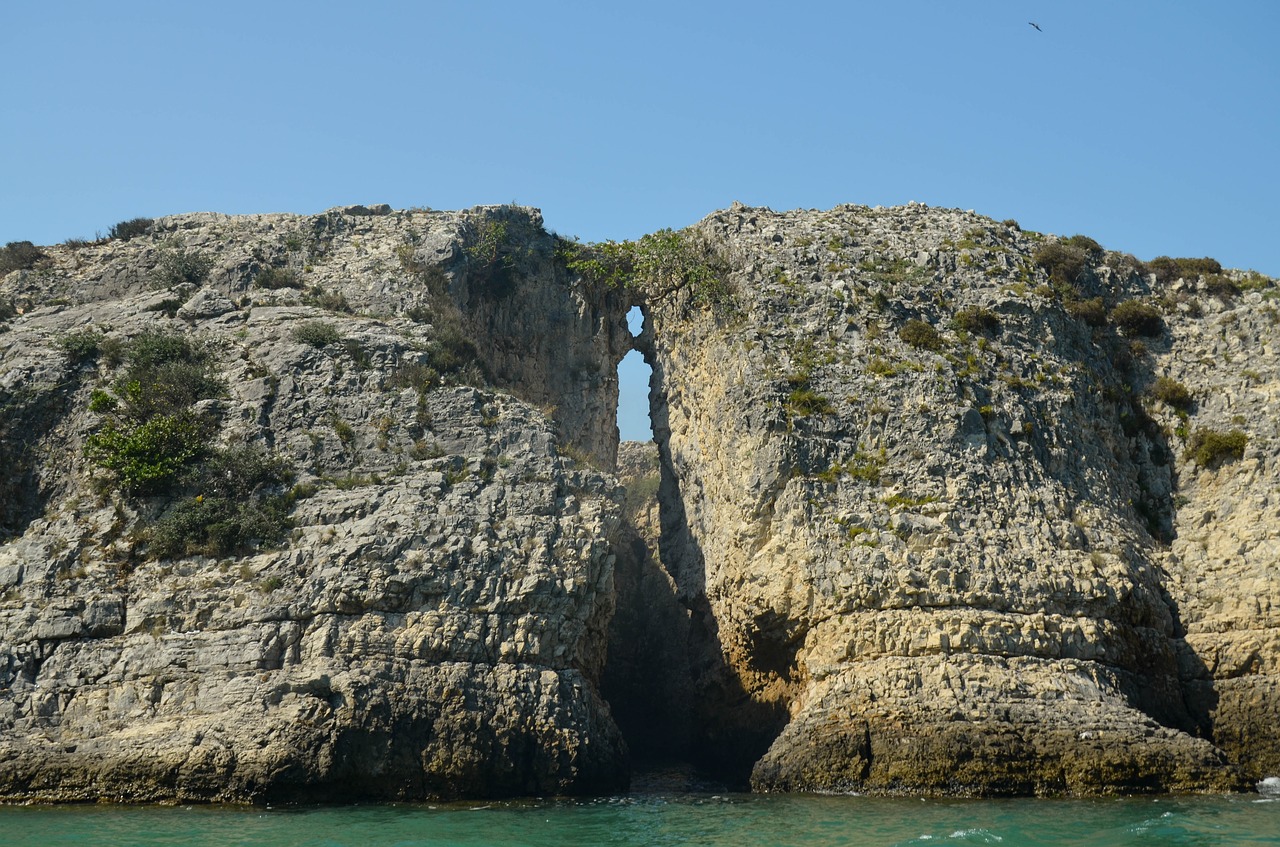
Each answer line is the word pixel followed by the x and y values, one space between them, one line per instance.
pixel 657 265
pixel 131 228
pixel 1220 286
pixel 1167 269
pixel 1067 260
pixel 19 256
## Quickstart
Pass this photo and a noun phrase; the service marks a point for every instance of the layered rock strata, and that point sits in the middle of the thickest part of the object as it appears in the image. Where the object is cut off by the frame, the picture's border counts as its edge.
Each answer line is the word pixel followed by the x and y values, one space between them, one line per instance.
pixel 433 625
pixel 944 535
pixel 936 505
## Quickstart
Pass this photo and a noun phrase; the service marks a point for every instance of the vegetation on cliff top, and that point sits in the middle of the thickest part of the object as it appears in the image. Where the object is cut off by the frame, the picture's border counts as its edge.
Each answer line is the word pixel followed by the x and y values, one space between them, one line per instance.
pixel 19 256
pixel 655 266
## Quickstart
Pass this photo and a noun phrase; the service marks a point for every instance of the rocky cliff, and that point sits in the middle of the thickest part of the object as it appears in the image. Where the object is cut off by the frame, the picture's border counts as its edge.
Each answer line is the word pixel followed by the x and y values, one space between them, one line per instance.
pixel 968 509
pixel 424 616
pixel 322 507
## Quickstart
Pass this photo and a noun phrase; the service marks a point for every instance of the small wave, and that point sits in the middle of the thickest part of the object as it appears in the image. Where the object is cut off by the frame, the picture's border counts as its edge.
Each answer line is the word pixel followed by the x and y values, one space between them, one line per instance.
pixel 1269 786
pixel 984 836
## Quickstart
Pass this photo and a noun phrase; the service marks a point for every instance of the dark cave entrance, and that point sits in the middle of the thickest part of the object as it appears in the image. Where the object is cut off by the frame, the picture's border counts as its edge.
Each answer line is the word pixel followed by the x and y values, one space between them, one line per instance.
pixel 687 721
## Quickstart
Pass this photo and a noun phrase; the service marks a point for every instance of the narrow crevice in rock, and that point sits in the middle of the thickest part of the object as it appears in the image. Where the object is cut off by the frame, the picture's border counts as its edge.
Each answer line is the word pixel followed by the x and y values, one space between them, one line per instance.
pixel 687 720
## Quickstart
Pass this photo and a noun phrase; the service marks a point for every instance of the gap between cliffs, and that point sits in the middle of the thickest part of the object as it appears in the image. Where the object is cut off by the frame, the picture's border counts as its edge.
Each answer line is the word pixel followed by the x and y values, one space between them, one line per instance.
pixel 687 721
pixel 556 342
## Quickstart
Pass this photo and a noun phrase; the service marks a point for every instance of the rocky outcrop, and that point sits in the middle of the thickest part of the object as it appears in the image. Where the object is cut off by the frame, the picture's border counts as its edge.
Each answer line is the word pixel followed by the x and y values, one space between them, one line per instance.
pixel 927 507
pixel 935 504
pixel 433 624
pixel 1221 562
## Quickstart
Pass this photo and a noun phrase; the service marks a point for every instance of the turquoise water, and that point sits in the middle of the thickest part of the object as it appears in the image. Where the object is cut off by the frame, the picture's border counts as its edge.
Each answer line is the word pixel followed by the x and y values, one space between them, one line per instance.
pixel 731 819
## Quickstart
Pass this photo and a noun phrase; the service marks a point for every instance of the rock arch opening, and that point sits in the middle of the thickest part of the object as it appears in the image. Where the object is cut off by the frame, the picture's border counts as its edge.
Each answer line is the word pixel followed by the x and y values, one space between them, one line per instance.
pixel 634 374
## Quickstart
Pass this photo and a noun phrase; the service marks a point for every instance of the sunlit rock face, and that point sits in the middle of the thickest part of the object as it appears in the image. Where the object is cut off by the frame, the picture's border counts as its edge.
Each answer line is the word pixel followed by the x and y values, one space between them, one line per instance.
pixel 431 620
pixel 324 508
pixel 929 507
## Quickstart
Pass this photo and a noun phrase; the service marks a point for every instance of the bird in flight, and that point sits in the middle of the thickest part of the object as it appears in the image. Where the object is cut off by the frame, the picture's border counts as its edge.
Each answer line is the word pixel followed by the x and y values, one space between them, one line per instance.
pixel 1036 25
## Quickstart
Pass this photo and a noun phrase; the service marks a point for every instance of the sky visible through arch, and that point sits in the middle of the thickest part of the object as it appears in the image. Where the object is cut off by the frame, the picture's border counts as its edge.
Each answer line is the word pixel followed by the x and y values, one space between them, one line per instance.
pixel 1149 125
pixel 633 389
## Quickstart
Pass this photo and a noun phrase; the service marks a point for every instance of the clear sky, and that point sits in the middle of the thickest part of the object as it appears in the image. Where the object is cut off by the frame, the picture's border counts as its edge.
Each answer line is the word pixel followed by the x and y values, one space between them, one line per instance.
pixel 1151 125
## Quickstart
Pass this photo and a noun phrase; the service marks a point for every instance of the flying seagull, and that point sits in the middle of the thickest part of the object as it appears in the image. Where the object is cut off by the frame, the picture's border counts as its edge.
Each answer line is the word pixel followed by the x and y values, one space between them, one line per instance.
pixel 1036 25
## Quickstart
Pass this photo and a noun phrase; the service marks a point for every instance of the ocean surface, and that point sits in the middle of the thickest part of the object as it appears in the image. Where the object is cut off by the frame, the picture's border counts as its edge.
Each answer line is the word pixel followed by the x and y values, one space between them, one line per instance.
pixel 738 820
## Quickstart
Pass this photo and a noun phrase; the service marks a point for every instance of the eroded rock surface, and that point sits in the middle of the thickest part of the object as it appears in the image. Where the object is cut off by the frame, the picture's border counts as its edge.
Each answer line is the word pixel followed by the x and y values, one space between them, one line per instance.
pixel 434 623
pixel 921 514
pixel 972 557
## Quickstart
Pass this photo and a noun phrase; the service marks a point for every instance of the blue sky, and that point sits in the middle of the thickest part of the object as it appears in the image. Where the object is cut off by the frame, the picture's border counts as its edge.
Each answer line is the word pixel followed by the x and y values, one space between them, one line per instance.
pixel 1150 126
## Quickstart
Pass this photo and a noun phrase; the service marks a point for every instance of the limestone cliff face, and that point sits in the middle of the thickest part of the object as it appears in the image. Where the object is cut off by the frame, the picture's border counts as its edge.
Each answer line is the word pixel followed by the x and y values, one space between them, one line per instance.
pixel 932 507
pixel 941 533
pixel 1222 562
pixel 433 622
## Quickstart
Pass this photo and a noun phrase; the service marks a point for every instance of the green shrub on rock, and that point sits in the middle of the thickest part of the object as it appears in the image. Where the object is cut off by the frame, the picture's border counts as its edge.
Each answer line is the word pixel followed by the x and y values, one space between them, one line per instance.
pixel 1067 260
pixel 802 402
pixel 921 335
pixel 657 265
pixel 80 346
pixel 1209 447
pixel 422 378
pixel 1167 270
pixel 1091 311
pixel 131 228
pixel 275 278
pixel 220 501
pixel 1222 287
pixel 151 432
pixel 148 457
pixel 166 388
pixel 178 267
pixel 1172 393
pixel 167 374
pixel 977 320
pixel 330 301
pixel 317 334
pixel 1135 318
pixel 232 504
pixel 455 357
pixel 152 347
